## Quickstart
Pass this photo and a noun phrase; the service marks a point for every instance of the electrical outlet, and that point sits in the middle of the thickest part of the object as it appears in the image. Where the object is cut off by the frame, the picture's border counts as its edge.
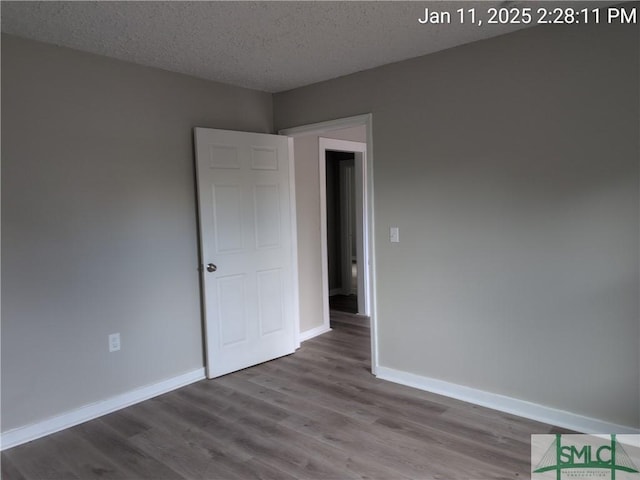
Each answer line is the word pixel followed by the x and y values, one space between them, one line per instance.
pixel 114 342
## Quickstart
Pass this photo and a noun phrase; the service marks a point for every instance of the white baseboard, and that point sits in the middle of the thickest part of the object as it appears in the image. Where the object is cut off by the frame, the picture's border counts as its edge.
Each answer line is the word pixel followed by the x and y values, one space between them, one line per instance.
pixel 505 404
pixel 51 425
pixel 314 332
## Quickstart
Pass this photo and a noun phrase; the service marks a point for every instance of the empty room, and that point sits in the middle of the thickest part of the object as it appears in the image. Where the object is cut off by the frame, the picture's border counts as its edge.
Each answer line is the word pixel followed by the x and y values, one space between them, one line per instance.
pixel 320 240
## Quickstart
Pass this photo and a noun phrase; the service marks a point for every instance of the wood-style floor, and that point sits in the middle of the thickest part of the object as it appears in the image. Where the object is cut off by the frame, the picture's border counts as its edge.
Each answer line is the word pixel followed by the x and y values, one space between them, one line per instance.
pixel 317 414
pixel 344 303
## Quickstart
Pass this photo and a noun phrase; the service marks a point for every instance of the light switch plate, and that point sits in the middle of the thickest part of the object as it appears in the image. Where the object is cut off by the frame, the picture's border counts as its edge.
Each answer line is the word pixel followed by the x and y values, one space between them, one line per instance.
pixel 114 342
pixel 394 235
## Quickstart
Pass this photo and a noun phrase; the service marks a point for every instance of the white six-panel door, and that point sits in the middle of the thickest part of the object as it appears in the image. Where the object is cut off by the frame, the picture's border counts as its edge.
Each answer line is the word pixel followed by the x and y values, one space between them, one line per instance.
pixel 247 233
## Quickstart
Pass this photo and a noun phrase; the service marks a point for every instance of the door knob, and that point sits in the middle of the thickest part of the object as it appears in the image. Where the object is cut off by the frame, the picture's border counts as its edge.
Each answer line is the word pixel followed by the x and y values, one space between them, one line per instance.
pixel 211 268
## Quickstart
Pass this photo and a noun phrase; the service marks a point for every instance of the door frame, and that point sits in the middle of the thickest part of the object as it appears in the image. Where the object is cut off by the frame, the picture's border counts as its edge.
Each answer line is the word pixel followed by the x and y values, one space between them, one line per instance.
pixel 319 129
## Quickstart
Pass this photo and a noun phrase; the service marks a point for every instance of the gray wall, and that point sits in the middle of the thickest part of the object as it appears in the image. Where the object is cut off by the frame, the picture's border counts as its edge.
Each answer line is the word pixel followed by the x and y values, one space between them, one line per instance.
pixel 511 168
pixel 99 223
pixel 308 223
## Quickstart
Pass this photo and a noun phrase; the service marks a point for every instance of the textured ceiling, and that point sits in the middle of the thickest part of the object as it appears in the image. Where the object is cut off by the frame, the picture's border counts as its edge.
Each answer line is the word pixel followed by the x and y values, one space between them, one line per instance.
pixel 270 46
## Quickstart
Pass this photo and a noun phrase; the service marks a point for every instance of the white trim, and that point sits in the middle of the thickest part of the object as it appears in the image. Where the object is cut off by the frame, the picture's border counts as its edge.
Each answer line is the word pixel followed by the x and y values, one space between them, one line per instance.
pixel 21 435
pixel 314 332
pixel 502 403
pixel 370 251
pixel 323 127
pixel 369 238
pixel 294 243
pixel 324 248
pixel 361 233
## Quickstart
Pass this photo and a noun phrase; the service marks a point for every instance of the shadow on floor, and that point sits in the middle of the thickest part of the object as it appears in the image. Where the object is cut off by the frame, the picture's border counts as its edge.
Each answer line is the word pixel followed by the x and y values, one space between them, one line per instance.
pixel 344 303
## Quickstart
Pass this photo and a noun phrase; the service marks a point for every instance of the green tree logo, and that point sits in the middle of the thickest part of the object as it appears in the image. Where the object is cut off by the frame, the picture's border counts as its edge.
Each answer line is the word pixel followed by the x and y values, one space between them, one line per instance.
pixel 609 456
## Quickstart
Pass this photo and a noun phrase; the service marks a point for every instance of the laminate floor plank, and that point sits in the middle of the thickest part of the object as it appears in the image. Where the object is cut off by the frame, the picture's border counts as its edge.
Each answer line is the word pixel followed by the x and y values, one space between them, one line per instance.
pixel 413 410
pixel 363 432
pixel 135 462
pixel 366 386
pixel 344 396
pixel 502 425
pixel 393 450
pixel 349 355
pixel 259 470
pixel 305 413
pixel 83 458
pixel 126 424
pixel 38 461
pixel 267 439
pixel 232 400
pixel 293 404
pixel 323 359
pixel 301 415
pixel 386 439
pixel 189 456
pixel 246 414
pixel 8 471
pixel 340 351
pixel 282 384
pixel 192 422
pixel 517 460
pixel 318 414
pixel 185 448
pixel 349 336
pixel 454 408
pixel 350 318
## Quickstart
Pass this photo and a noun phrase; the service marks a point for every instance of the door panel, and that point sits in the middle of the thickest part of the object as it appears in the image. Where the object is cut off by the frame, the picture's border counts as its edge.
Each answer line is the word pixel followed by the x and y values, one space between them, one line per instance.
pixel 267 199
pixel 227 217
pixel 269 301
pixel 247 230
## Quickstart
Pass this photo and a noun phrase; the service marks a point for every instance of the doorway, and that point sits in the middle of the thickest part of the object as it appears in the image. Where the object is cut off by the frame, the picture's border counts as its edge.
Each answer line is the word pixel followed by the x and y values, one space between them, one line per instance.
pixel 353 134
pixel 342 176
pixel 342 257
